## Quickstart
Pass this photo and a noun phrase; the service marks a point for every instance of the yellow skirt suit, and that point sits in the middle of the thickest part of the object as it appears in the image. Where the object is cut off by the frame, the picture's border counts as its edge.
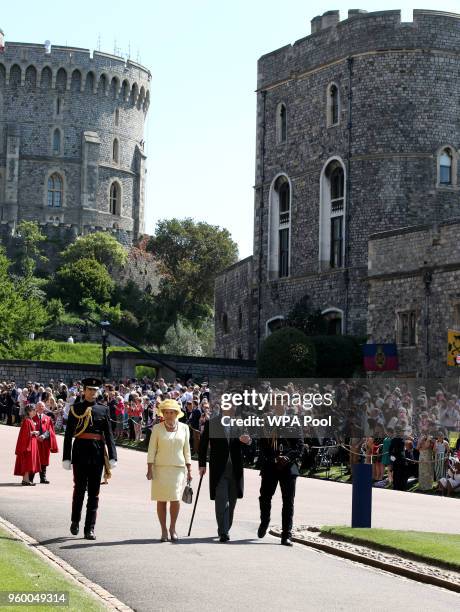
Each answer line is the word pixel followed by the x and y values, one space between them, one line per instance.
pixel 169 451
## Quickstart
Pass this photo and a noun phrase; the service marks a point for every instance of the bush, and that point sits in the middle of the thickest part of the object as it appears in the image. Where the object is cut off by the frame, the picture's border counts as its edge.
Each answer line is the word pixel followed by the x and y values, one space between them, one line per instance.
pixel 287 353
pixel 337 356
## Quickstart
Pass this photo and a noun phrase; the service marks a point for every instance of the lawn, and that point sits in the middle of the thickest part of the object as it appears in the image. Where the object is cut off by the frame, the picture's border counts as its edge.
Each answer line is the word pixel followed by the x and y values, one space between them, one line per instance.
pixel 435 547
pixel 23 570
pixel 79 352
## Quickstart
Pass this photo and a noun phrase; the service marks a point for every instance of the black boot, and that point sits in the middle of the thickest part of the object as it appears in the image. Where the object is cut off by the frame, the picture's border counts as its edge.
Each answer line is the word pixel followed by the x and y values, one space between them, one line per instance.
pixel 43 479
pixel 264 523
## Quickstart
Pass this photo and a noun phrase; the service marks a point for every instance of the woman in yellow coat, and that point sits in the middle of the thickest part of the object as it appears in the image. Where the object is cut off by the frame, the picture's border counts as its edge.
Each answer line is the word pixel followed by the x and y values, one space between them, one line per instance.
pixel 168 459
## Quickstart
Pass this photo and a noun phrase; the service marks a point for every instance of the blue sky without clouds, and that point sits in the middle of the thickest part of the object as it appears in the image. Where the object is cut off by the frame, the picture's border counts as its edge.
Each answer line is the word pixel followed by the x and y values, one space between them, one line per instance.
pixel 203 58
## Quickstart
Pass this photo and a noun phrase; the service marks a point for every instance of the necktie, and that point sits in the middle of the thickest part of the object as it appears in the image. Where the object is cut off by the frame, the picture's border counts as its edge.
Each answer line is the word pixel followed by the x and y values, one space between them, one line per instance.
pixel 40 430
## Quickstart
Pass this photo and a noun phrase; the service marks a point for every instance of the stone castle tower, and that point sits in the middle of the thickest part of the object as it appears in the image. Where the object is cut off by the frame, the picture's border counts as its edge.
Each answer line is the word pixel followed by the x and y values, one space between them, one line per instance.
pixel 72 140
pixel 358 137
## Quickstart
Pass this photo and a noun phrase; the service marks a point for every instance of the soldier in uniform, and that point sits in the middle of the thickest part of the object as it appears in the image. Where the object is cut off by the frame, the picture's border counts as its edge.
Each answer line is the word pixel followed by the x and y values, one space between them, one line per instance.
pixel 279 451
pixel 89 423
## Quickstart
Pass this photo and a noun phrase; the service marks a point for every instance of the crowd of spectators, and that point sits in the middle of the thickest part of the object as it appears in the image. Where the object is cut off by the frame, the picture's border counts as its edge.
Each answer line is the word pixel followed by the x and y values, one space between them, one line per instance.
pixel 401 429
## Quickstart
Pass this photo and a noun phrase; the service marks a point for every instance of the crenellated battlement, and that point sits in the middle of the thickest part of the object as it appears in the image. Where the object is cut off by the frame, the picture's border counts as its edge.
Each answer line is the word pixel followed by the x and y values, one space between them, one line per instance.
pixel 362 32
pixel 72 68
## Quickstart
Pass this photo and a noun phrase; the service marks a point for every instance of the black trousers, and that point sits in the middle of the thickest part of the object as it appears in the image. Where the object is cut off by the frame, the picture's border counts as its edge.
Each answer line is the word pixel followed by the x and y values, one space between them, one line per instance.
pixel 271 476
pixel 86 476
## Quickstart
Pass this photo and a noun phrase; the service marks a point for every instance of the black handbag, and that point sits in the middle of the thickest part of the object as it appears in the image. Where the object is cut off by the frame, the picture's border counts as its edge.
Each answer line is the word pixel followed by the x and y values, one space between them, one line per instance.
pixel 187 495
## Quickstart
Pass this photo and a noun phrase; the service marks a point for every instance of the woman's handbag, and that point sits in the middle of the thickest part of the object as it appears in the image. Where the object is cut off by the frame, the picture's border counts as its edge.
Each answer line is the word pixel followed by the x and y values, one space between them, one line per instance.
pixel 187 495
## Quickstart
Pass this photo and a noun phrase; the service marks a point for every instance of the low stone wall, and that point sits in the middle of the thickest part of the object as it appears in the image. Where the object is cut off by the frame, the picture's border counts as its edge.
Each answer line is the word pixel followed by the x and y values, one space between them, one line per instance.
pixel 45 371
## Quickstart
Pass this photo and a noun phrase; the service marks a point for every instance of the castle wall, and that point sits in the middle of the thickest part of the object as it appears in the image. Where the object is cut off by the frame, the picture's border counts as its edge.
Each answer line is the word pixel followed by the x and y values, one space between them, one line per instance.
pixel 92 100
pixel 398 84
pixel 416 269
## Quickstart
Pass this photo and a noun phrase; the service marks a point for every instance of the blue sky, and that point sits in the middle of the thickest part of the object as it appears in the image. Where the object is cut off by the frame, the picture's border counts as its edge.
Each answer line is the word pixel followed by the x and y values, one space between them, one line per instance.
pixel 203 58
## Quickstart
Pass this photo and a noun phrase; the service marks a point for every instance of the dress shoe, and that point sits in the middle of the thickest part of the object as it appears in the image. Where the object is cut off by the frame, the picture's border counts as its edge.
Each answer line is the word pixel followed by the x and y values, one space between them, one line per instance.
pixel 174 536
pixel 224 538
pixel 74 528
pixel 286 542
pixel 89 535
pixel 44 481
pixel 26 483
pixel 263 528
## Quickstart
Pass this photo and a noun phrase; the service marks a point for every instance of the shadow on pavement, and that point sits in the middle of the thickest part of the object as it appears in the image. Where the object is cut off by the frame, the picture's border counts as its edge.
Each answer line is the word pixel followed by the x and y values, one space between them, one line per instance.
pixel 184 540
pixel 10 484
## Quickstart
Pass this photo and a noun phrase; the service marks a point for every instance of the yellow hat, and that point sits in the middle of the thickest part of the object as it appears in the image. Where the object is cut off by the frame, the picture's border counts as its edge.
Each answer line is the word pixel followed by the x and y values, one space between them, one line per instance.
pixel 169 404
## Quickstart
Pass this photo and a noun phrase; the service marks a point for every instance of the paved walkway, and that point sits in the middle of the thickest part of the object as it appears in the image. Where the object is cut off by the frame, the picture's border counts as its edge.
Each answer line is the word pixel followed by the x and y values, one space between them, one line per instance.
pixel 200 574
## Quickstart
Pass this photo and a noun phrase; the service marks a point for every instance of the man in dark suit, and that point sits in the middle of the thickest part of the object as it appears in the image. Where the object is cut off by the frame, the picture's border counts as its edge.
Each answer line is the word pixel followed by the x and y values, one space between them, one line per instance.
pixel 89 423
pixel 226 474
pixel 279 451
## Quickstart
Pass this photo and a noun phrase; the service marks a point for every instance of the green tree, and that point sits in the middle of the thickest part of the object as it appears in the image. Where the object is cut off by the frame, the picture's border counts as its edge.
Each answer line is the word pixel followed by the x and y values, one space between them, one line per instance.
pixel 307 319
pixel 19 314
pixel 101 246
pixel 287 353
pixel 83 279
pixel 28 251
pixel 190 254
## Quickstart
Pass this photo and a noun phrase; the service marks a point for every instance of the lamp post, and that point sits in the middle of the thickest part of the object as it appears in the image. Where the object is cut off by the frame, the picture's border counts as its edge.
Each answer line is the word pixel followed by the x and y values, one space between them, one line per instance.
pixel 104 325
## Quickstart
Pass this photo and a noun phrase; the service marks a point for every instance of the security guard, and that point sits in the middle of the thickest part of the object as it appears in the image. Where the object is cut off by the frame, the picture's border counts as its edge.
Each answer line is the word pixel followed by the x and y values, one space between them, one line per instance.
pixel 89 423
pixel 279 451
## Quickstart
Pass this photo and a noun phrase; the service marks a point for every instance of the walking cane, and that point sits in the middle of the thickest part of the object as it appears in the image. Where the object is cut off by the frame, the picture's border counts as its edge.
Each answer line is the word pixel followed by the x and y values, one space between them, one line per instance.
pixel 194 507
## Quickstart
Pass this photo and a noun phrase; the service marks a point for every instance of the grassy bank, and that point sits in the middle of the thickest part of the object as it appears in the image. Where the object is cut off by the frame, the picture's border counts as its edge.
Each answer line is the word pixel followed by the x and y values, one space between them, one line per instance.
pixel 23 570
pixel 431 547
pixel 65 352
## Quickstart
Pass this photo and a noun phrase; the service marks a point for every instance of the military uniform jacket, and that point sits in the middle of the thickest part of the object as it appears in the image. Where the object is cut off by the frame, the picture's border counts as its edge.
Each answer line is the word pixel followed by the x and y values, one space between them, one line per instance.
pixel 290 446
pixel 89 452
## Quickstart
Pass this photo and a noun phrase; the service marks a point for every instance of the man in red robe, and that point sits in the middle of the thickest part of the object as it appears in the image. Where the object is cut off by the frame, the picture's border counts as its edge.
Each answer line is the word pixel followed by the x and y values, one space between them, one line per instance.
pixel 47 442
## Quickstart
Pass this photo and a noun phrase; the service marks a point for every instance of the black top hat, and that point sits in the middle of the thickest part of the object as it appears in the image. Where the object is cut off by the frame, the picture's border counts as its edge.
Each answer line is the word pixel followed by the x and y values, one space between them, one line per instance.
pixel 91 383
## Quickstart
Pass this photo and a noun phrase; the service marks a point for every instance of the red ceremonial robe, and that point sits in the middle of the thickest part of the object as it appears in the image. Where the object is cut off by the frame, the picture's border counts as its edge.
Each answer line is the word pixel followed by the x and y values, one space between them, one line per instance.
pixel 27 454
pixel 49 444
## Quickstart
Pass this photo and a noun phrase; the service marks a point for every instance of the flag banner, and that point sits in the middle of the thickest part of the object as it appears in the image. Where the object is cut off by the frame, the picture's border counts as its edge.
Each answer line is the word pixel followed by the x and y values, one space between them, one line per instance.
pixel 380 357
pixel 453 347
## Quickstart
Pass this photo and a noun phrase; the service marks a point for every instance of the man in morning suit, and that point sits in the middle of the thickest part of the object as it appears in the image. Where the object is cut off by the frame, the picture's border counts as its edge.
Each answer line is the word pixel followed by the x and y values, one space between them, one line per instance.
pixel 279 451
pixel 226 473
pixel 89 423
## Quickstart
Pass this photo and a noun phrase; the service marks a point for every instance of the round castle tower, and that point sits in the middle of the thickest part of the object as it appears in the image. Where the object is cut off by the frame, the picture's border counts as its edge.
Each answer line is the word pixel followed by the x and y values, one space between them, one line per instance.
pixel 72 139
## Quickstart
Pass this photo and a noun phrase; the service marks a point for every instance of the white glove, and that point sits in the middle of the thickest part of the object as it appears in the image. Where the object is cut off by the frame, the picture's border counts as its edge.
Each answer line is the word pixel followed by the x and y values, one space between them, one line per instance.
pixel 393 458
pixel 66 465
pixel 113 463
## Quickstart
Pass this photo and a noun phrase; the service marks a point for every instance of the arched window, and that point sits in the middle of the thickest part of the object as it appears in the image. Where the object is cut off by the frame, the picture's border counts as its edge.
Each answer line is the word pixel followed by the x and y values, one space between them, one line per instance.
pixel 332 218
pixel 46 78
pixel 445 167
pixel 280 224
pixel 333 319
pixel 281 123
pixel 89 84
pixel 61 79
pixel 55 190
pixel 75 84
pixel 57 142
pixel 31 77
pixel 333 105
pixel 115 198
pixel 115 151
pixel 273 324
pixel 15 76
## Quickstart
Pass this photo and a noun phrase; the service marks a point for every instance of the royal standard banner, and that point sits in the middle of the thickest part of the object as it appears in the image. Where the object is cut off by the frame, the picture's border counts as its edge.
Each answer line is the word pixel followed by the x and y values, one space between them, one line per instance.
pixel 380 357
pixel 453 347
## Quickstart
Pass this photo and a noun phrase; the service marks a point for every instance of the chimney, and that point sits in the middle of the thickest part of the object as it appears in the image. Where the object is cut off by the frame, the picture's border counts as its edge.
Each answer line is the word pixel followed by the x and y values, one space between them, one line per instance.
pixel 316 24
pixel 330 18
